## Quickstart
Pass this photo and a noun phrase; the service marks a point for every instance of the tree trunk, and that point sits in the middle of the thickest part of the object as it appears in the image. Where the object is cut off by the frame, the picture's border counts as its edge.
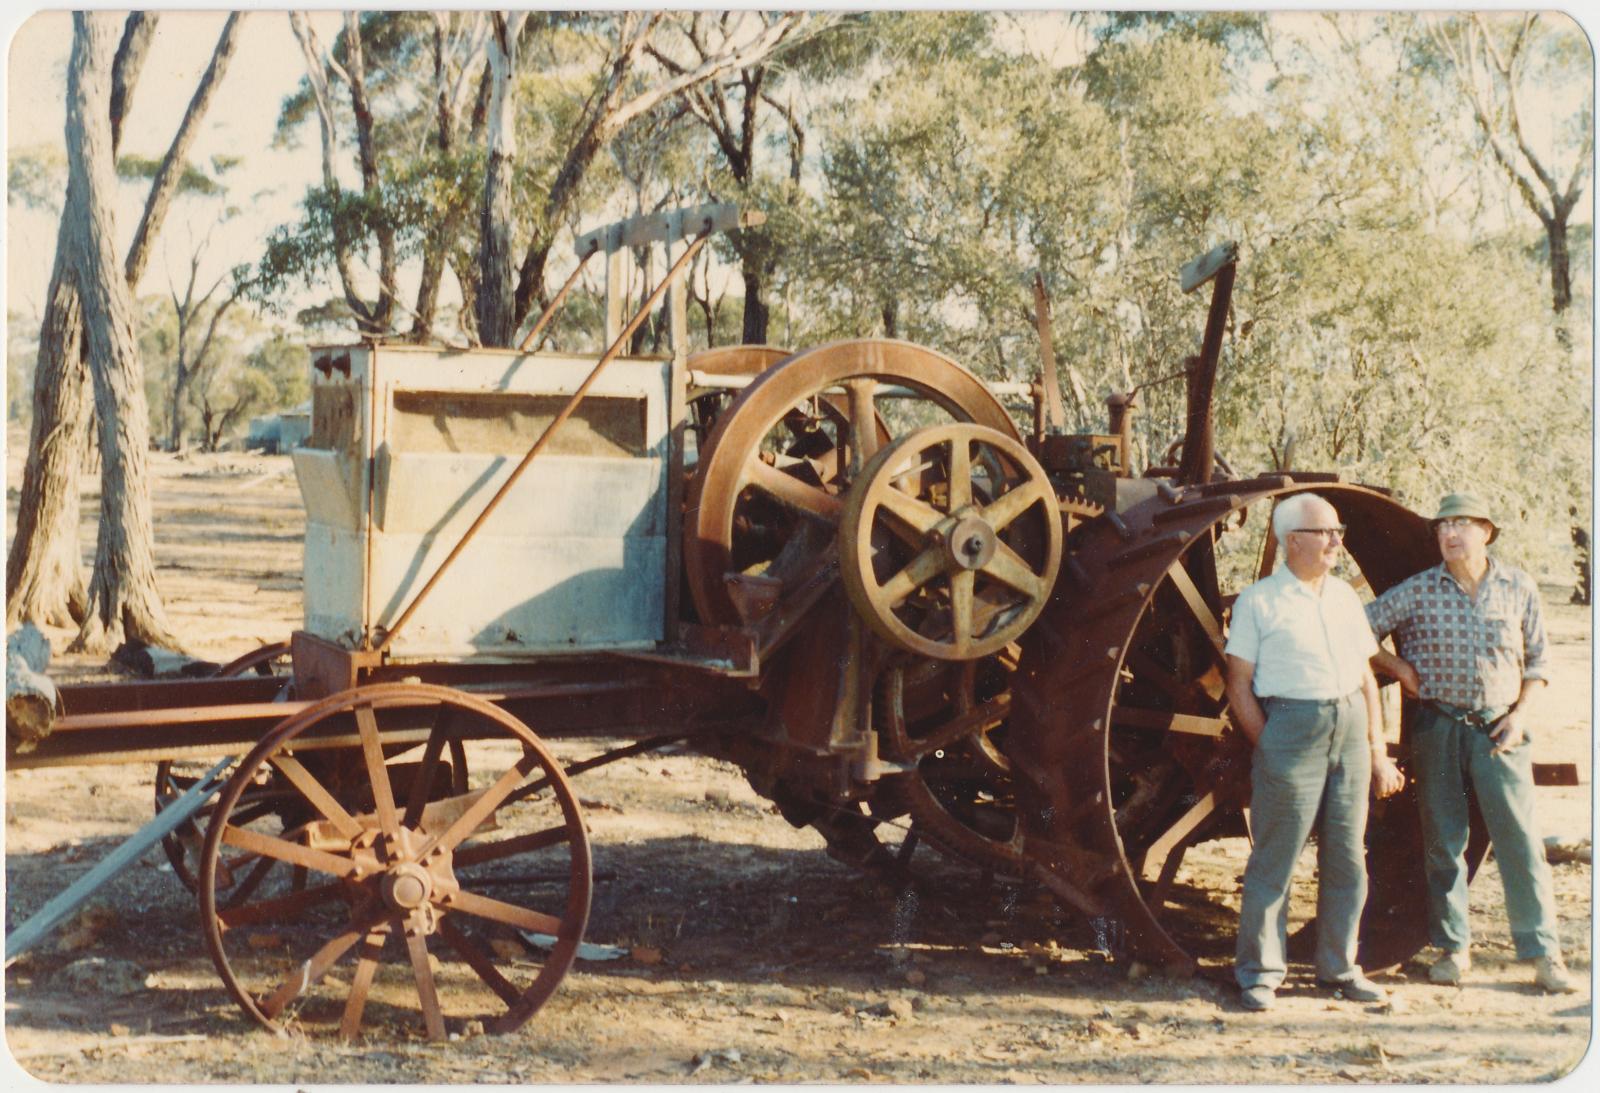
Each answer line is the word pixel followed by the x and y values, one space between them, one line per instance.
pixel 123 599
pixel 179 386
pixel 497 322
pixel 756 313
pixel 44 574
pixel 1560 263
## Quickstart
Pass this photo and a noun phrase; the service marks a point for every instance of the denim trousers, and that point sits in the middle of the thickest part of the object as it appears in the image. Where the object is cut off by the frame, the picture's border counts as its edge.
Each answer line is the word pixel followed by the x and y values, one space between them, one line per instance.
pixel 1311 771
pixel 1451 756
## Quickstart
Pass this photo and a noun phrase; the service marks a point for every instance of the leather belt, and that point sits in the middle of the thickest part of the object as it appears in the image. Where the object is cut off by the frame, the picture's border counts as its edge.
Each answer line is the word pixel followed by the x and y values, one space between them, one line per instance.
pixel 1482 719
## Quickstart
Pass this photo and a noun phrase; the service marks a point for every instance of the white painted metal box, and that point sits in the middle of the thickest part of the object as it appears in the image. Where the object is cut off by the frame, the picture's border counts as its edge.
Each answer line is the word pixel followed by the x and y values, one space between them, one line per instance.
pixel 408 444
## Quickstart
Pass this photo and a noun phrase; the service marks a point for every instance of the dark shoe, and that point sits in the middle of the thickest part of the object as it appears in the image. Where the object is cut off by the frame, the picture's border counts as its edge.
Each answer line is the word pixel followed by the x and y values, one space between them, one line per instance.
pixel 1358 988
pixel 1257 999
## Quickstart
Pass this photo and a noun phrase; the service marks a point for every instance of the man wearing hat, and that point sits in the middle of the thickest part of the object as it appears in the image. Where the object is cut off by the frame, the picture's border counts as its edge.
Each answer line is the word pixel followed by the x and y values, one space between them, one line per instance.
pixel 1470 634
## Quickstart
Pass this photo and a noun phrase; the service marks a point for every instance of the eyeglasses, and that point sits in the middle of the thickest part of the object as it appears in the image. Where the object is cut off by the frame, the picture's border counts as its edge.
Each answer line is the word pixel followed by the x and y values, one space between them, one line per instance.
pixel 1456 523
pixel 1329 533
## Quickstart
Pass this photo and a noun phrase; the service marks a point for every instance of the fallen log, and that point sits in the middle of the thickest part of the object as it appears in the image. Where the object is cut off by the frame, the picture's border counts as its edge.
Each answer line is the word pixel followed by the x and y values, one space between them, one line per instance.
pixel 32 701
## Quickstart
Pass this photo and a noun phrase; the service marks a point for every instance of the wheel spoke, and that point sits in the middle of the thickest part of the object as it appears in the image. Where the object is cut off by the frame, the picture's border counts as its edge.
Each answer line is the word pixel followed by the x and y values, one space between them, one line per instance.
pixel 1013 504
pixel 245 888
pixel 479 961
pixel 981 719
pixel 483 807
pixel 790 491
pixel 318 795
pixel 1172 839
pixel 427 993
pixel 270 846
pixel 356 1003
pixel 960 473
pixel 921 569
pixel 496 910
pixel 377 771
pixel 917 515
pixel 1187 723
pixel 307 973
pixel 1198 607
pixel 422 787
pixel 1010 569
pixel 478 853
pixel 961 583
pixel 278 908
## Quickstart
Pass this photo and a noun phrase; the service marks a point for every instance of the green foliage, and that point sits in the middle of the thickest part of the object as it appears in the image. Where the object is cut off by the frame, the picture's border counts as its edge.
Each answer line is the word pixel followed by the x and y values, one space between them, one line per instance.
pixel 192 180
pixel 1389 320
pixel 36 177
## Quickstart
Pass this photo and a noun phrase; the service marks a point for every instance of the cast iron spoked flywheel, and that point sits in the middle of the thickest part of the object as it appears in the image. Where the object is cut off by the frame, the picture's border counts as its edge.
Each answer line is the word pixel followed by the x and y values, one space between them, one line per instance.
pixel 949 542
pixel 1120 740
pixel 421 902
pixel 766 501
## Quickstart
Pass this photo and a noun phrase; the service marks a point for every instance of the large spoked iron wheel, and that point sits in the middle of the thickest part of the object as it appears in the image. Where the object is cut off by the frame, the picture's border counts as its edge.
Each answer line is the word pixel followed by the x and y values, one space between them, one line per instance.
pixel 421 903
pixel 767 498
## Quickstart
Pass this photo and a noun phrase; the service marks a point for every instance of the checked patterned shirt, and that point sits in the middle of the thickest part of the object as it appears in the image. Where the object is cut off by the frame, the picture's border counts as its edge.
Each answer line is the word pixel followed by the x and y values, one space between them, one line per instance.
pixel 1469 652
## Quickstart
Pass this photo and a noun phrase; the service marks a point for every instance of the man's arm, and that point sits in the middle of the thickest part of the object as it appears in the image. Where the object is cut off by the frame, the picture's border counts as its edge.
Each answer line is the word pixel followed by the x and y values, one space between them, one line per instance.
pixel 1247 712
pixel 1508 731
pixel 1391 665
pixel 1386 777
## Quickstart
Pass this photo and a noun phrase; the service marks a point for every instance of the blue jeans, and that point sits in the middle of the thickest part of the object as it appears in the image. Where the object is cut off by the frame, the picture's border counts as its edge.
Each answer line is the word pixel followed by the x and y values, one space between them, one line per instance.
pixel 1311 770
pixel 1450 756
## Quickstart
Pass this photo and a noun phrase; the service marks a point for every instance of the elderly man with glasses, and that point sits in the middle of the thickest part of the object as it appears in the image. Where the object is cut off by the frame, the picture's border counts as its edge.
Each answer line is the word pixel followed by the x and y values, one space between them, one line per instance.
pixel 1470 633
pixel 1301 690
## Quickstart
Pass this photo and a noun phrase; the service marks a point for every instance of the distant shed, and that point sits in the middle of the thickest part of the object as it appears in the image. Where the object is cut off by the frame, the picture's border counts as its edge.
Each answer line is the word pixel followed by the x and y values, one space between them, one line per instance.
pixel 280 432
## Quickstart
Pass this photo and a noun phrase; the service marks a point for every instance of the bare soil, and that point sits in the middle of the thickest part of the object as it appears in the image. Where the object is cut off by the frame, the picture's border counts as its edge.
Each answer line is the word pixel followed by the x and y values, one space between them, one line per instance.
pixel 776 963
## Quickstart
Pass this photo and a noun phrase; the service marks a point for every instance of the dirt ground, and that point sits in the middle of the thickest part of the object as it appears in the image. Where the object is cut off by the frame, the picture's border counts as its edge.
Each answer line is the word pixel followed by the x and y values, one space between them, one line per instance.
pixel 752 956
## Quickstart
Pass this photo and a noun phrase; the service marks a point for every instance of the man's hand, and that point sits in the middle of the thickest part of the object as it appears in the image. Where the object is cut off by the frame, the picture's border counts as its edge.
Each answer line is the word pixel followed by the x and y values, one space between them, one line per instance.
pixel 1386 777
pixel 1506 734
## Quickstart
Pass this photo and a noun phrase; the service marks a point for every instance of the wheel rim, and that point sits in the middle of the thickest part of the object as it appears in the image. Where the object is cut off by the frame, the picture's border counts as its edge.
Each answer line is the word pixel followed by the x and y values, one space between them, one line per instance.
pixel 408 908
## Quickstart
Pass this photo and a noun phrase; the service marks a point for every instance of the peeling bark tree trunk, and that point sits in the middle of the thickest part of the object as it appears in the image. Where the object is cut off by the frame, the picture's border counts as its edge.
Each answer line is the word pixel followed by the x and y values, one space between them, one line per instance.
pixel 44 574
pixel 123 599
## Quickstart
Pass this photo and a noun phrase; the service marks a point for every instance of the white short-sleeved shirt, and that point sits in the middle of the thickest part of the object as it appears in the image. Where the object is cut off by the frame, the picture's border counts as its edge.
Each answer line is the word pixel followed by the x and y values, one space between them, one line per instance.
pixel 1304 643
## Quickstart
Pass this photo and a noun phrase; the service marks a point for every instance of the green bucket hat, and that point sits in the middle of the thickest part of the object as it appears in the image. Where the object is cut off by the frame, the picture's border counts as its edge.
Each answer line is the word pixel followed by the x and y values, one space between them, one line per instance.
pixel 1466 504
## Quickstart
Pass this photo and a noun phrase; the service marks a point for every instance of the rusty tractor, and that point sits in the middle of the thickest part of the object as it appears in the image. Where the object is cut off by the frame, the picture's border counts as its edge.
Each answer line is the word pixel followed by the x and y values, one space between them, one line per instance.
pixel 845 569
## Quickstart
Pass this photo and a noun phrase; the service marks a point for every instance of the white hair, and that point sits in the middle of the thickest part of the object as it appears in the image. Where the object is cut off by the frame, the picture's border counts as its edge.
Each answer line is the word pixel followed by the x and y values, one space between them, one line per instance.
pixel 1290 513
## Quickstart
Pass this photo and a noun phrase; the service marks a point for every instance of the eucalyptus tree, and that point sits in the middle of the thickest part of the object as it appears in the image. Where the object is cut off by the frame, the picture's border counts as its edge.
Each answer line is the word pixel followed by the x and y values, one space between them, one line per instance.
pixel 941 197
pixel 549 91
pixel 123 599
pixel 1510 68
pixel 44 580
pixel 44 575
